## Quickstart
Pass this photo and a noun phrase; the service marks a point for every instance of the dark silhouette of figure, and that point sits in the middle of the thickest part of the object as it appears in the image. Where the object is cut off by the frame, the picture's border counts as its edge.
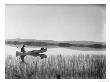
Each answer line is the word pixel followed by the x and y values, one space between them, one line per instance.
pixel 23 50
pixel 42 48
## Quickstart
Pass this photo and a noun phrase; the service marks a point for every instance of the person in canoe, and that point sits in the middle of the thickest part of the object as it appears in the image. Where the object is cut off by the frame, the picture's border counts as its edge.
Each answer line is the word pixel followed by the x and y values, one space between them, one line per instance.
pixel 37 52
pixel 23 50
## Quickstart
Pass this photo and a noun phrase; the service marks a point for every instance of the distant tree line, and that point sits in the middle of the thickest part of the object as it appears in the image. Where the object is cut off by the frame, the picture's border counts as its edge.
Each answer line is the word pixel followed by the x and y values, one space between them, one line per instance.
pixel 81 45
pixel 30 43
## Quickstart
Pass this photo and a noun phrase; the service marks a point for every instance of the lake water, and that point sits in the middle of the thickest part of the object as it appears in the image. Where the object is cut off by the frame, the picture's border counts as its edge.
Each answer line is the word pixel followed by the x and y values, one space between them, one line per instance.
pixel 9 50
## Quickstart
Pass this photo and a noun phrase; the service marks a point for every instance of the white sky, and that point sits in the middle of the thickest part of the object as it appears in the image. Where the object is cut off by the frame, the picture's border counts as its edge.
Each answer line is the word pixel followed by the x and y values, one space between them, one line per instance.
pixel 56 22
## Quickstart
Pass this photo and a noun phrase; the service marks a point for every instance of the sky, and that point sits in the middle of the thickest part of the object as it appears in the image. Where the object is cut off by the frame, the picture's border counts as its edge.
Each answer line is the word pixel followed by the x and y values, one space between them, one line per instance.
pixel 56 22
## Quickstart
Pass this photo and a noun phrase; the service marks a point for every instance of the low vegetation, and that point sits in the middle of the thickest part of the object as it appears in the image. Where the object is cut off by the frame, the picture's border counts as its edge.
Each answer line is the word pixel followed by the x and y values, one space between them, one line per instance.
pixel 57 67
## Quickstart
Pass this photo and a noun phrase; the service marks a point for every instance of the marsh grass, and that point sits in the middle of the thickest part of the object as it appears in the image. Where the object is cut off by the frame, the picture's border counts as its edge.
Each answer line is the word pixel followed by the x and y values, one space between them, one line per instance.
pixel 57 67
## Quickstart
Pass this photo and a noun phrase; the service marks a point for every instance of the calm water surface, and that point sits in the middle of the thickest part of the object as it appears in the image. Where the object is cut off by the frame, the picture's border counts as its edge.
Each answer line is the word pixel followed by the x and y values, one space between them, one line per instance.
pixel 9 50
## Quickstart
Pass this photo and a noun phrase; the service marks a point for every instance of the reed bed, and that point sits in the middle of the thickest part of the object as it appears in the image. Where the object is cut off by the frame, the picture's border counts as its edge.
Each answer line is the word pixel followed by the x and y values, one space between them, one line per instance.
pixel 77 66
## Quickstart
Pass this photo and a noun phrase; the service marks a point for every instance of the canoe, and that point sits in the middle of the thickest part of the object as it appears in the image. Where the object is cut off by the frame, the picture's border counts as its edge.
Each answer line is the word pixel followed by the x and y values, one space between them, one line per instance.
pixel 21 53
pixel 32 53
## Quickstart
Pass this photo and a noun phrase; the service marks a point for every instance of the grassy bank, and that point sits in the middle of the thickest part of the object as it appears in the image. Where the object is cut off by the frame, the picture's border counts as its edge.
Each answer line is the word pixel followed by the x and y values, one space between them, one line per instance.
pixel 83 66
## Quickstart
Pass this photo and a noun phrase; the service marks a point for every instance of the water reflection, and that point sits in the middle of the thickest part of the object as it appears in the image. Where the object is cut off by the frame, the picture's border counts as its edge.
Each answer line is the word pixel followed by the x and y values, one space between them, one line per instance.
pixel 9 50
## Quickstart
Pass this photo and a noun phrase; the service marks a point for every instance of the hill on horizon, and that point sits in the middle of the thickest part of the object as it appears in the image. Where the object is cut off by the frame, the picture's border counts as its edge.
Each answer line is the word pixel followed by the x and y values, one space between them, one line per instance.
pixel 33 42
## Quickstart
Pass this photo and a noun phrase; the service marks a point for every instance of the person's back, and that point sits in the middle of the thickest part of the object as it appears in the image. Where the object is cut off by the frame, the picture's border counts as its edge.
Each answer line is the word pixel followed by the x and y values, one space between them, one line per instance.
pixel 23 50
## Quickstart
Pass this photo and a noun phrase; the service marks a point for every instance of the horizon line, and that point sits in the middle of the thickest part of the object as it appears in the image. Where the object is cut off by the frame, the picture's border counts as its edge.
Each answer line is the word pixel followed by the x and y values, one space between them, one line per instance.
pixel 59 41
